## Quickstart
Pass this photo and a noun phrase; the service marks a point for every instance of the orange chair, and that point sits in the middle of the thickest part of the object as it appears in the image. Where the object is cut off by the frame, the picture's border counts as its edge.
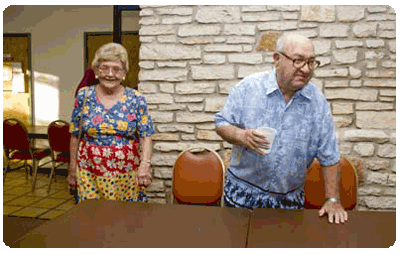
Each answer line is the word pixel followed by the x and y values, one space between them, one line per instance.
pixel 17 146
pixel 198 178
pixel 59 139
pixel 315 188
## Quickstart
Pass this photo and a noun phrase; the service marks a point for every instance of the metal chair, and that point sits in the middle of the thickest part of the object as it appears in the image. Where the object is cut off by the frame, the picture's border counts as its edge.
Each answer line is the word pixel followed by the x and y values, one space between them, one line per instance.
pixel 18 146
pixel 59 140
pixel 315 188
pixel 198 178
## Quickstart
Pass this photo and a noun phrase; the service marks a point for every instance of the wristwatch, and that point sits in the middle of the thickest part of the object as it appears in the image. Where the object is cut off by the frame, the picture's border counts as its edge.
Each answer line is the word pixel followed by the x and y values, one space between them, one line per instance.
pixel 332 199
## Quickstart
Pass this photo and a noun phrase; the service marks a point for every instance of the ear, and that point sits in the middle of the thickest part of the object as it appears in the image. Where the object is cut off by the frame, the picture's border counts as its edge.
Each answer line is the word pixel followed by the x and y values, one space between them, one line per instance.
pixel 276 57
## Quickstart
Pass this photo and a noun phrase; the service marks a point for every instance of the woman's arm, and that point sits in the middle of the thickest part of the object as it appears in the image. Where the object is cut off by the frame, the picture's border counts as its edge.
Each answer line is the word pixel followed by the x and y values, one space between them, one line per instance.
pixel 73 148
pixel 147 148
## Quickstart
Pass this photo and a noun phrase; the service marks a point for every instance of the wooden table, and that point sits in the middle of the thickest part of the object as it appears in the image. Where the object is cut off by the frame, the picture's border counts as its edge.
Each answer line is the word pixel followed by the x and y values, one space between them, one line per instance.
pixel 271 228
pixel 37 132
pixel 94 223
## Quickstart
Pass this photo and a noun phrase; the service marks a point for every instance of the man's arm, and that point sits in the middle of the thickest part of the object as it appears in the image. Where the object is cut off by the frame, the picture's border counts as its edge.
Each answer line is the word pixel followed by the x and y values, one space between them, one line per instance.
pixel 332 176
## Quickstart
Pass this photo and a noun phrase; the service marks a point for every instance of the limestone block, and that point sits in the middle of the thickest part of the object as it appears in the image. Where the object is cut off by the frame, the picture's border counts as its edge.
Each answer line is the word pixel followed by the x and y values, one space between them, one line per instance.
pixel 393 137
pixel 391 180
pixel 389 64
pixel 364 149
pixel 169 52
pixel 156 30
pixel 147 87
pixel 308 25
pixel 162 159
pixel 373 106
pixel 375 43
pixel 381 73
pixel 354 72
pixel 342 121
pixel 162 117
pixel 387 34
pixel 172 64
pixel 207 126
pixel 325 60
pixel 394 167
pixel 326 73
pixel 241 40
pixel 189 99
pixel 387 151
pixel 196 40
pixel 373 9
pixel 386 99
pixel 198 30
pixel 352 94
pixel 188 137
pixel 163 172
pixel 345 148
pixel 283 7
pixel 380 82
pixel 253 58
pixel 176 20
pixel 333 30
pixel 380 202
pixel 147 39
pixel 342 108
pixel 230 29
pixel 165 136
pixel 345 56
pixel 380 17
pixel 376 120
pixel 387 25
pixel 376 165
pixel 321 47
pixel 254 8
pixel 159 98
pixel 146 64
pixel 195 88
pixel 167 87
pixel 182 11
pixel 290 15
pixel 365 29
pixel 214 58
pixel 348 44
pixel 278 25
pixel 146 12
pixel 369 135
pixel 369 191
pixel 149 21
pixel 371 64
pixel 355 83
pixel 247 48
pixel 223 48
pixel 215 104
pixel 376 177
pixel 156 186
pixel 195 107
pixel 208 135
pixel 350 13
pixel 171 107
pixel 163 75
pixel 212 72
pixel 392 46
pixel 225 87
pixel 175 128
pixel 186 117
pixel 387 92
pixel 167 39
pixel 374 55
pixel 260 16
pixel 245 70
pixel 218 14
pixel 319 13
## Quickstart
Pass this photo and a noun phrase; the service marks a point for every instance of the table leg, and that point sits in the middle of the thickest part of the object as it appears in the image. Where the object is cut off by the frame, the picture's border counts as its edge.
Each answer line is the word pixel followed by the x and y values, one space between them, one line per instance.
pixel 34 166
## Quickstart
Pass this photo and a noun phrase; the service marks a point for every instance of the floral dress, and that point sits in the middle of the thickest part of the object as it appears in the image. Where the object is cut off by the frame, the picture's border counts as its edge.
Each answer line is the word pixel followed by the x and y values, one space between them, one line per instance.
pixel 108 154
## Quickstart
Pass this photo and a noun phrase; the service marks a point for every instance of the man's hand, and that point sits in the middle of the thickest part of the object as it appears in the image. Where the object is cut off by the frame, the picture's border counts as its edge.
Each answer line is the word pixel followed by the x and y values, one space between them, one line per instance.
pixel 253 140
pixel 333 209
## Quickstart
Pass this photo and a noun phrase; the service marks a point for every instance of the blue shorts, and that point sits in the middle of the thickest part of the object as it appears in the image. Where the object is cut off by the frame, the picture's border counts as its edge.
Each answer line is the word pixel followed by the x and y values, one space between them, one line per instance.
pixel 241 194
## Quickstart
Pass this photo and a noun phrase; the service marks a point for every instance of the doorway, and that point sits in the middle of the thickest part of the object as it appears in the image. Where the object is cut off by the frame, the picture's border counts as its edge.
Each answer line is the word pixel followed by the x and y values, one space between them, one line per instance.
pixel 17 92
pixel 130 40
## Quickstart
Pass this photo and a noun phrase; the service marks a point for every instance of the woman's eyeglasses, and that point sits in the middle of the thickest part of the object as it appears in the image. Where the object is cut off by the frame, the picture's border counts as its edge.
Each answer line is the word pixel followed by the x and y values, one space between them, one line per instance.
pixel 115 70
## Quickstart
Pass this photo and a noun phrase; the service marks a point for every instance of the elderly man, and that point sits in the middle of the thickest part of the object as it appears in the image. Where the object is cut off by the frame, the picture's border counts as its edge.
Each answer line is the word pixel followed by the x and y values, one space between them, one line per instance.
pixel 284 100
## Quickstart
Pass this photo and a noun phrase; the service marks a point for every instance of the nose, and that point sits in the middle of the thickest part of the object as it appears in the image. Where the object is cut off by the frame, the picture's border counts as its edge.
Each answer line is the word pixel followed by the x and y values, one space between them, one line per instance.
pixel 306 68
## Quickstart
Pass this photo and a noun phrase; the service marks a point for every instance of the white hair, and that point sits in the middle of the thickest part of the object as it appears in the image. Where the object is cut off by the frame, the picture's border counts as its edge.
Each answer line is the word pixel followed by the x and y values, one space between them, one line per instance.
pixel 111 51
pixel 291 38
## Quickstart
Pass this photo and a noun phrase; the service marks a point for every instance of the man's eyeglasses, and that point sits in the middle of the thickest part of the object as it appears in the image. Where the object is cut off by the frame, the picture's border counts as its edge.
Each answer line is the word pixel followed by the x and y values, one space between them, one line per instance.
pixel 299 63
pixel 106 69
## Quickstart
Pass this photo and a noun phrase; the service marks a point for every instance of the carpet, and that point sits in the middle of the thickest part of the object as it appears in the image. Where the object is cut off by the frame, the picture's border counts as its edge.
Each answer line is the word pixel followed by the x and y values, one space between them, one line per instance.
pixel 15 227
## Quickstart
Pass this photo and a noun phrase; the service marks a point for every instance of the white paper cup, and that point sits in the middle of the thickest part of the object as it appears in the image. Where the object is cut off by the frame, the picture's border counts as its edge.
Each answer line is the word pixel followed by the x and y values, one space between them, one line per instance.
pixel 269 133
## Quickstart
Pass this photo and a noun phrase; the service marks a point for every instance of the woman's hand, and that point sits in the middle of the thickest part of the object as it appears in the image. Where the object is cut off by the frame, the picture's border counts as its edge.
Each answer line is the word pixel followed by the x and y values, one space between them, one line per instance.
pixel 143 174
pixel 71 179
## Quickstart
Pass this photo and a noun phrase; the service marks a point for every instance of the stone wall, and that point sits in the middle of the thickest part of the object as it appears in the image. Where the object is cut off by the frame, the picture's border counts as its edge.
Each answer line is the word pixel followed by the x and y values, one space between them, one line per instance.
pixel 191 56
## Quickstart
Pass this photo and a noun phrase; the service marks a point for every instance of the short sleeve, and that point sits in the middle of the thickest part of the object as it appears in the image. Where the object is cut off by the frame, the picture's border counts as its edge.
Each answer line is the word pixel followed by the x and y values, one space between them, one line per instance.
pixel 328 152
pixel 76 113
pixel 144 122
pixel 231 112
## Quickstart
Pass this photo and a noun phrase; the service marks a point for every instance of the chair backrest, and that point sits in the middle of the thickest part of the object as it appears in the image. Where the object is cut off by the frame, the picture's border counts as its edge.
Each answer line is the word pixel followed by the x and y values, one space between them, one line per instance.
pixel 198 177
pixel 59 136
pixel 15 135
pixel 315 187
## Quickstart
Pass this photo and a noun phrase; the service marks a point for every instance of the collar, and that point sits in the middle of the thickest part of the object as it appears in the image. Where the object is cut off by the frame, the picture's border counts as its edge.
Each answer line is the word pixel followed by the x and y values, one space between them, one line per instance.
pixel 272 86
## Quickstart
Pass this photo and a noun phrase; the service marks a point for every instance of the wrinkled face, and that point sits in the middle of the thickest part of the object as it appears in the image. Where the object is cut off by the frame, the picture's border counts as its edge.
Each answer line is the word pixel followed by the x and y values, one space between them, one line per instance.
pixel 110 73
pixel 287 74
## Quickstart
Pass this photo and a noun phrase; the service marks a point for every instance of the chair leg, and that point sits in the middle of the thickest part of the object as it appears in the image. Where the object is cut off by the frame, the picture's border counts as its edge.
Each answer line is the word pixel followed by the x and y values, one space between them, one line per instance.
pixel 5 171
pixel 26 170
pixel 34 166
pixel 53 165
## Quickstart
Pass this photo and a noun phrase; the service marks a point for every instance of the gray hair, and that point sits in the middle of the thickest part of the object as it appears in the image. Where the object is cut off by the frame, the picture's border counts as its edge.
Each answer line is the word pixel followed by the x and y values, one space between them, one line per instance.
pixel 286 39
pixel 110 52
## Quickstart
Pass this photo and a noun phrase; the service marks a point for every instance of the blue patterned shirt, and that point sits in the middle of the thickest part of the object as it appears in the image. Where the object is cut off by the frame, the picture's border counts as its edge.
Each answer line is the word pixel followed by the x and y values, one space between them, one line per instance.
pixel 304 128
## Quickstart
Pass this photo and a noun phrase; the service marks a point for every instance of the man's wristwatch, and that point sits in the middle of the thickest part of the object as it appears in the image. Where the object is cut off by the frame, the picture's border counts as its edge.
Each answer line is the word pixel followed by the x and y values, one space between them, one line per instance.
pixel 332 199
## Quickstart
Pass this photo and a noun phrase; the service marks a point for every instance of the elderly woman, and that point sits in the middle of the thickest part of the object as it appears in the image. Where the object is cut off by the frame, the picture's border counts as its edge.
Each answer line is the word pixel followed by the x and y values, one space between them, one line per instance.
pixel 115 148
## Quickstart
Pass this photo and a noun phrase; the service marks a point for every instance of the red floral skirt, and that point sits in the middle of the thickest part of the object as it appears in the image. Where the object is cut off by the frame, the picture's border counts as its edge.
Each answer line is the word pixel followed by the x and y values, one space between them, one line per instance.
pixel 109 172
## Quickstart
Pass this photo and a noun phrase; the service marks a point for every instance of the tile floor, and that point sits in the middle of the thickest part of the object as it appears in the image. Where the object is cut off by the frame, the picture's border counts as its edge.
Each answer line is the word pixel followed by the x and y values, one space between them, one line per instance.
pixel 19 200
